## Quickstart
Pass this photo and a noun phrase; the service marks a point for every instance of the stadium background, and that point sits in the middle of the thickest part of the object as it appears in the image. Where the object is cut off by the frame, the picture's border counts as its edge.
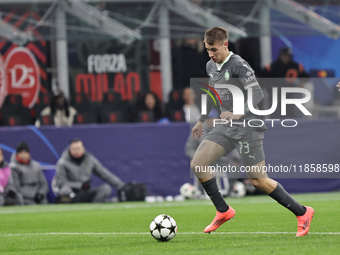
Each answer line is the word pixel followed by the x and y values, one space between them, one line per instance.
pixel 58 38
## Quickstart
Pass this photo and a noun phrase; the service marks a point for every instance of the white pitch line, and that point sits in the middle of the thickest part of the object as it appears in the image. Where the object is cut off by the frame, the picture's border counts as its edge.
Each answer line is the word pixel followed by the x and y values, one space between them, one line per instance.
pixel 115 206
pixel 180 233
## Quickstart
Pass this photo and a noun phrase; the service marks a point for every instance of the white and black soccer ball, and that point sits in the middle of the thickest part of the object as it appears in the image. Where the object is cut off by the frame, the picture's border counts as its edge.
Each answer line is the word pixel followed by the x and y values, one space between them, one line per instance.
pixel 163 228
pixel 187 190
pixel 239 190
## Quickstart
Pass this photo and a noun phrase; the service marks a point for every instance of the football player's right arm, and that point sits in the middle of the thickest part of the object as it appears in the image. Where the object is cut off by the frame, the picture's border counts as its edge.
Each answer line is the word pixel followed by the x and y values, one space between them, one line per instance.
pixel 210 101
pixel 338 85
pixel 210 106
pixel 197 130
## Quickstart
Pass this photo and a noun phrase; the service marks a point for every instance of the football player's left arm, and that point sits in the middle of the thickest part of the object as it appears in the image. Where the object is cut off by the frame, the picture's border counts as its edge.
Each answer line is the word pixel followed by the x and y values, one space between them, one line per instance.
pixel 338 85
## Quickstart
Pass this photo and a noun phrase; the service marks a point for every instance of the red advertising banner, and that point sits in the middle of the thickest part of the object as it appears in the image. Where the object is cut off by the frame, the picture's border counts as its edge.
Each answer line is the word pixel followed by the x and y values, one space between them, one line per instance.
pixel 103 69
pixel 23 68
pixel 22 75
pixel 98 67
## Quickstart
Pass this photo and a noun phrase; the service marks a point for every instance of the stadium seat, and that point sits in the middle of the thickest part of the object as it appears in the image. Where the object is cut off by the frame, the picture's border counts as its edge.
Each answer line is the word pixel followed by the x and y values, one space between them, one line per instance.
pixel 175 99
pixel 13 121
pixel 81 118
pixel 112 109
pixel 14 113
pixel 114 117
pixel 87 111
pixel 112 99
pixel 177 115
pixel 145 116
pixel 46 120
pixel 174 105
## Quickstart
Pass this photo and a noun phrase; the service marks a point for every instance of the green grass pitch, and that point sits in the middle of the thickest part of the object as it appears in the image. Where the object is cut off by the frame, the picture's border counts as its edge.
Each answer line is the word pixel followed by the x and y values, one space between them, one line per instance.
pixel 261 227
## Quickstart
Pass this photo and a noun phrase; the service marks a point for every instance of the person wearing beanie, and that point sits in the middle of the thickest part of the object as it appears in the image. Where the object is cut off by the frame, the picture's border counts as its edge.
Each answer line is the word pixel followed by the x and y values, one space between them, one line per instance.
pixel 73 176
pixel 28 178
pixel 8 195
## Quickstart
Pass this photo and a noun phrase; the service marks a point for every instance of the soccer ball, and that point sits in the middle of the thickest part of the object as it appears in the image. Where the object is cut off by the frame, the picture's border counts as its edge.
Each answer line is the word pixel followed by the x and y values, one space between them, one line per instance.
pixel 163 228
pixel 187 190
pixel 239 190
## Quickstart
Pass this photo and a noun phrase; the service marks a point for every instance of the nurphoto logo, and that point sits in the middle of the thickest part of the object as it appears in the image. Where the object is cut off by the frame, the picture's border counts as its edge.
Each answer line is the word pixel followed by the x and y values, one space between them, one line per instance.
pixel 239 105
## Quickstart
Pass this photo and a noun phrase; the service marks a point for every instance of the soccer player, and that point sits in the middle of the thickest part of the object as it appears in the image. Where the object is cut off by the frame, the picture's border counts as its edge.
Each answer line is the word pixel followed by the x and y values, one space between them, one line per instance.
pixel 225 67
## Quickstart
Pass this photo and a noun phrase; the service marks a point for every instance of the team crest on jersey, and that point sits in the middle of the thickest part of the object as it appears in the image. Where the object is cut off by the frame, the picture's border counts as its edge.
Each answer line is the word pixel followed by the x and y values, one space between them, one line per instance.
pixel 226 75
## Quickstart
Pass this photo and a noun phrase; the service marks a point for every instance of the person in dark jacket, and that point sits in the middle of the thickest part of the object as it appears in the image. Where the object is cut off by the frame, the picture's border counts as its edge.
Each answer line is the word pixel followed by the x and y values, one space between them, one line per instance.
pixel 74 173
pixel 148 108
pixel 28 178
pixel 290 72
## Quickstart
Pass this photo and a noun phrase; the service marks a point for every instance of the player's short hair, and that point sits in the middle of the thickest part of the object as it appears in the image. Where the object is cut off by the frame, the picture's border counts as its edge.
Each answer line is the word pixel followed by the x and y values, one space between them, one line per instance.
pixel 215 34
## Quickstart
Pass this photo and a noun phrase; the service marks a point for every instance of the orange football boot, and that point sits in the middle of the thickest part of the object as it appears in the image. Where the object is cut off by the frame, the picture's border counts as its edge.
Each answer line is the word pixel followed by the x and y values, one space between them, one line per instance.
pixel 219 219
pixel 304 221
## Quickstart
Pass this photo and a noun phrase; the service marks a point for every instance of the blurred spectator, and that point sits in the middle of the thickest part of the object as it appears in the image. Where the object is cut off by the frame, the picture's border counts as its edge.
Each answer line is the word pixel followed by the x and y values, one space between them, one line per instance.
pixel 284 67
pixel 58 113
pixel 8 196
pixel 29 180
pixel 74 173
pixel 101 6
pixel 182 106
pixel 147 109
pixel 191 110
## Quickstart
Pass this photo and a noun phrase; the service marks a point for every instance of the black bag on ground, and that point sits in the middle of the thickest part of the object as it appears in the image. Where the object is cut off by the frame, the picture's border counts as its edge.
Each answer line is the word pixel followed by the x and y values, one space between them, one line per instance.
pixel 133 191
